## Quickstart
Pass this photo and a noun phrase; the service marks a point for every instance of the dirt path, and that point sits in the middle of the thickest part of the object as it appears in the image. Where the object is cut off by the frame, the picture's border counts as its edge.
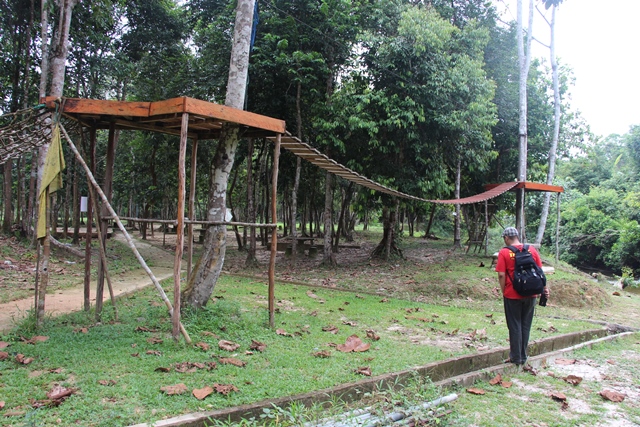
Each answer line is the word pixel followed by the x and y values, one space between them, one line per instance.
pixel 72 299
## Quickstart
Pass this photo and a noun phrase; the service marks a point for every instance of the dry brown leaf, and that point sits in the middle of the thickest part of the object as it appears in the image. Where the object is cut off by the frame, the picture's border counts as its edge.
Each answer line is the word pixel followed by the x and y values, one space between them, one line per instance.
pixel 322 354
pixel 616 293
pixel 556 395
pixel 611 395
pixel 154 340
pixel 201 393
pixel 561 361
pixel 349 323
pixel 2 404
pixel 506 384
pixel 154 353
pixel 353 343
pixel 310 294
pixel 107 382
pixel 162 369
pixel 330 328
pixel 24 360
pixel 36 339
pixel 135 354
pixel 144 329
pixel 81 330
pixel 573 379
pixel 224 388
pixel 528 368
pixel 4 344
pixel 56 370
pixel 4 355
pixel 384 300
pixel 496 380
pixel 476 391
pixel 174 389
pixel 228 345
pixel 365 370
pixel 232 361
pixel 203 345
pixel 257 345
pixel 59 393
pixel 283 333
pixel 372 335
pixel 209 334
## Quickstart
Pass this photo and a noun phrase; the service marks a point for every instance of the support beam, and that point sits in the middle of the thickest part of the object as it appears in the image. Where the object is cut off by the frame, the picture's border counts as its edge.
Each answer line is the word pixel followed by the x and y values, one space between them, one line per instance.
pixel 177 264
pixel 274 232
pixel 192 204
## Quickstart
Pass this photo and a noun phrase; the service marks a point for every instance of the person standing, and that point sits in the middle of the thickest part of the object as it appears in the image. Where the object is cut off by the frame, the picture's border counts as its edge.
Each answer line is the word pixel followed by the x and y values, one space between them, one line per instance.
pixel 518 309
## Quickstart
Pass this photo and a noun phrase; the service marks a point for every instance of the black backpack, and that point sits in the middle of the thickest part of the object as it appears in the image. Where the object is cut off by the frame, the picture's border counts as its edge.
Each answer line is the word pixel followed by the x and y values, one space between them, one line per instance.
pixel 528 279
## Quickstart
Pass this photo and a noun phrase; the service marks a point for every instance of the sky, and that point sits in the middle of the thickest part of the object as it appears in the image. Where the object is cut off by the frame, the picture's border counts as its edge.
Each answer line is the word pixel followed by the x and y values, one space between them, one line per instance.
pixel 600 41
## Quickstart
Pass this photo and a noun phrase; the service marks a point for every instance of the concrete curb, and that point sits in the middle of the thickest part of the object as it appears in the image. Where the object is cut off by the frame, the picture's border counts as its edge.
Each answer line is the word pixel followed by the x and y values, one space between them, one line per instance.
pixel 458 370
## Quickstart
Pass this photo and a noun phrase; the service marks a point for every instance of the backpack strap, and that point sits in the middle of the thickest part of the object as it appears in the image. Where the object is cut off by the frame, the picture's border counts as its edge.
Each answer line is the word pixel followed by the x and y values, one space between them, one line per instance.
pixel 513 249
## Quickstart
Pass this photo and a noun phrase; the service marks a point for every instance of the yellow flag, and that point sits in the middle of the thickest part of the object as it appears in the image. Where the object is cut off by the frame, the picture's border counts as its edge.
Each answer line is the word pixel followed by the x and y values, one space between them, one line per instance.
pixel 51 177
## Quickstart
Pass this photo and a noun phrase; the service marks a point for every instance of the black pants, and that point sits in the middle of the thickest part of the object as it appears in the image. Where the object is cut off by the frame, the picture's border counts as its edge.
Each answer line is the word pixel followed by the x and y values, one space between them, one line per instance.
pixel 519 314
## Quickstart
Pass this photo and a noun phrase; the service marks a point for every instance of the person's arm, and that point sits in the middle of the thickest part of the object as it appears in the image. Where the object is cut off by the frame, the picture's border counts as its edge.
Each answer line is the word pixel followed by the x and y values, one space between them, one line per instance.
pixel 502 279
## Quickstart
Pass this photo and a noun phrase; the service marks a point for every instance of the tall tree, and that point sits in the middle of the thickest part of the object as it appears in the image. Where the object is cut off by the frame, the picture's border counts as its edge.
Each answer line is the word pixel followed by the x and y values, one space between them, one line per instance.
pixel 207 270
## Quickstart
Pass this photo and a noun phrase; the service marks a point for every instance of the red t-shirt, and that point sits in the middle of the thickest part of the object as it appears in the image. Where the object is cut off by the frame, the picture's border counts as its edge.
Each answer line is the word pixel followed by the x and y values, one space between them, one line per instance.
pixel 507 263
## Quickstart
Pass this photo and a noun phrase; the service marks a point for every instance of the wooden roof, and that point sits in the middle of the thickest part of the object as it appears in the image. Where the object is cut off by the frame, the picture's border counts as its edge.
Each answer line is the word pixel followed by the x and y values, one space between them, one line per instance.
pixel 205 118
pixel 531 186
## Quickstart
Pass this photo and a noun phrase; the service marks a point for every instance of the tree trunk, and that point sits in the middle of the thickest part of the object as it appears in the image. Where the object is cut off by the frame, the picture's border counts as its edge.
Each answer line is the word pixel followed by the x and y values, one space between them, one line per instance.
pixel 296 180
pixel 329 258
pixel 387 246
pixel 456 238
pixel 524 59
pixel 206 272
pixel 7 220
pixel 251 211
pixel 556 128
pixel 61 48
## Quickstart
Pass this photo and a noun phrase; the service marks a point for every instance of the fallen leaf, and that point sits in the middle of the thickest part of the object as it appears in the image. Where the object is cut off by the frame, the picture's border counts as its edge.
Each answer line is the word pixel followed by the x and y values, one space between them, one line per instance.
pixel 24 360
pixel 37 338
pixel 556 395
pixel 349 323
pixel 4 355
pixel 81 330
pixel 4 344
pixel 283 333
pixel 209 334
pixel 365 370
pixel 60 393
pixel 476 391
pixel 14 414
pixel 573 379
pixel 531 370
pixel 310 294
pixel 201 393
pixel 162 369
pixel 488 315
pixel 353 343
pixel 384 300
pixel 506 384
pixel 2 404
pixel 154 340
pixel 257 345
pixel 154 353
pixel 174 389
pixel 107 382
pixel 454 332
pixel 203 345
pixel 135 354
pixel 616 293
pixel 314 313
pixel 611 395
pixel 372 335
pixel 611 362
pixel 330 328
pixel 561 361
pixel 224 388
pixel 564 406
pixel 232 361
pixel 322 354
pixel 228 345
pixel 496 380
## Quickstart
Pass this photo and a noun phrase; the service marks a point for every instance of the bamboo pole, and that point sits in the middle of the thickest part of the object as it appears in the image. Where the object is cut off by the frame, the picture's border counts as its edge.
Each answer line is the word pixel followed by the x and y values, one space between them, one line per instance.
pixel 486 227
pixel 177 263
pixel 132 245
pixel 192 205
pixel 88 228
pixel 187 221
pixel 274 232
pixel 103 256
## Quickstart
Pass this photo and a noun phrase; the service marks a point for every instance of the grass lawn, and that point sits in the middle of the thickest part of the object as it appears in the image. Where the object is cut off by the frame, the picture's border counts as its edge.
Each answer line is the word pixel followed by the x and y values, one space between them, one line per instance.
pixel 114 366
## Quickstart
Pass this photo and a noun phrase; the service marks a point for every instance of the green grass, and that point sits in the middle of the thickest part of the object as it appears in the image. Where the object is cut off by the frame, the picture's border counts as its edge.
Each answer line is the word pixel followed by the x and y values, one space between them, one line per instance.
pixel 239 314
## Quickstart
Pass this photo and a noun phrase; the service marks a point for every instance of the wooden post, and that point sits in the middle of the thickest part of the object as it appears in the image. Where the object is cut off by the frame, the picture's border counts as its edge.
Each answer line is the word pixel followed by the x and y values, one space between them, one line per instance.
pixel 102 228
pixel 127 237
pixel 192 205
pixel 486 227
pixel 46 253
pixel 89 228
pixel 558 231
pixel 274 231
pixel 177 264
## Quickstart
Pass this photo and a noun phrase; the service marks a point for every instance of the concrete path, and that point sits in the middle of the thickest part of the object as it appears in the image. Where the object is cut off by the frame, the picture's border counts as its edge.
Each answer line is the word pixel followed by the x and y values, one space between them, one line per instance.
pixel 72 299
